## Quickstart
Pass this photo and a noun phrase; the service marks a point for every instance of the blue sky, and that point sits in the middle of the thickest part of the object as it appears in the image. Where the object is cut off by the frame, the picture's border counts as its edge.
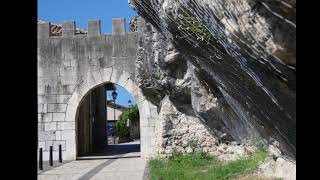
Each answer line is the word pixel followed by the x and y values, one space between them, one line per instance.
pixel 123 96
pixel 81 11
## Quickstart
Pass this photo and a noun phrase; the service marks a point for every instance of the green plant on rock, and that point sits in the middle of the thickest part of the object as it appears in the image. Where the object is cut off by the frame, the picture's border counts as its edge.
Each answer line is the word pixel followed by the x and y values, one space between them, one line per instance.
pixel 193 28
pixel 175 153
pixel 191 25
pixel 192 143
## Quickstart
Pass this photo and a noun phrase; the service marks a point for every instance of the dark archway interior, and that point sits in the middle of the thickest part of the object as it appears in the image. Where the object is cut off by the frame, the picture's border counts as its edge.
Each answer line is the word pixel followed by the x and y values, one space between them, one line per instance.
pixel 94 136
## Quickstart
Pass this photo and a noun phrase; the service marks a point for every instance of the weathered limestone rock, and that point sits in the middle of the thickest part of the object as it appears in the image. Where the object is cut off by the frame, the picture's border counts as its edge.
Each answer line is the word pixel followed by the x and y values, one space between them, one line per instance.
pixel 189 150
pixel 243 54
pixel 179 130
pixel 273 150
pixel 285 169
pixel 280 168
pixel 175 131
pixel 228 63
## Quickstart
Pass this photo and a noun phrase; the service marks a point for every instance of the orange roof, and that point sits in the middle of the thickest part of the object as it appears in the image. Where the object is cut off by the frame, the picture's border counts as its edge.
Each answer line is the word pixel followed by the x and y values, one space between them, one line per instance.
pixel 56 29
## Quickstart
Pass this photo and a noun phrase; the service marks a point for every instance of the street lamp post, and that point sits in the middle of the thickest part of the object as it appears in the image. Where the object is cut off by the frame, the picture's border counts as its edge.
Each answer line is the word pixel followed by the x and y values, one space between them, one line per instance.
pixel 114 96
pixel 128 120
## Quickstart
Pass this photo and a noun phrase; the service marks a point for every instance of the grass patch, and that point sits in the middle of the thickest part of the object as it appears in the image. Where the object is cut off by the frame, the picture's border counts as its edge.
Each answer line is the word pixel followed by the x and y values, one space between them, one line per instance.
pixel 203 166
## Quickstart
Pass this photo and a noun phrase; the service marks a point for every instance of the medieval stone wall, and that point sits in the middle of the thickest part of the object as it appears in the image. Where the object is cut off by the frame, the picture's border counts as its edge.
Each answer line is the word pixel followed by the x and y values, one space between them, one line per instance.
pixel 69 66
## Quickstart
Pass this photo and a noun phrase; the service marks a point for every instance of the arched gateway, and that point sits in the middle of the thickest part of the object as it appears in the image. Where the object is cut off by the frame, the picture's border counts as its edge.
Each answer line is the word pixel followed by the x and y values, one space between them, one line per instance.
pixel 72 63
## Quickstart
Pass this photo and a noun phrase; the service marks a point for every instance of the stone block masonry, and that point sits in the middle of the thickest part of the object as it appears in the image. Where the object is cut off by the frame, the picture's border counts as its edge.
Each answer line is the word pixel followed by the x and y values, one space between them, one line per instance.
pixel 57 107
pixel 69 66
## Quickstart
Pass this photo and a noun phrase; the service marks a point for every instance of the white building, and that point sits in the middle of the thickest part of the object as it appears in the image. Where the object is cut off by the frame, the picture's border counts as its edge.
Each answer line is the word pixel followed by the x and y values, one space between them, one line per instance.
pixel 113 109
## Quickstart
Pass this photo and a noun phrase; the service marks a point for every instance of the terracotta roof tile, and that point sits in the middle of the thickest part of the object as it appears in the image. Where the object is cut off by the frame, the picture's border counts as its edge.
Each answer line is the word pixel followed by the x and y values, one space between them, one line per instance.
pixel 56 29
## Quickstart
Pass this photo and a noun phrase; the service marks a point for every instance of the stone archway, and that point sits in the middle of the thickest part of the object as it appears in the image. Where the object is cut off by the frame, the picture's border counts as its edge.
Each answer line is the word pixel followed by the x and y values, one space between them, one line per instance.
pixel 148 112
pixel 70 64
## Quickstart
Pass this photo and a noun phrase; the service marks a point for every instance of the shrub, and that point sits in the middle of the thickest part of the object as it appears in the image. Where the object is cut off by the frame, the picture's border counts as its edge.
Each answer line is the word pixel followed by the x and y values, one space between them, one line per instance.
pixel 133 115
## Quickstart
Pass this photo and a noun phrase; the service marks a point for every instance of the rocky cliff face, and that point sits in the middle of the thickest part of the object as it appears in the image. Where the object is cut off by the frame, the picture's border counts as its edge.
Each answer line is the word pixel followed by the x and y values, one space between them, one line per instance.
pixel 228 63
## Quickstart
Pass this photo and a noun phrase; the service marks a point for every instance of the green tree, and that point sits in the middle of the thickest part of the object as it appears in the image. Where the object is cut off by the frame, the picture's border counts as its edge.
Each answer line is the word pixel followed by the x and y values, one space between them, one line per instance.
pixel 133 115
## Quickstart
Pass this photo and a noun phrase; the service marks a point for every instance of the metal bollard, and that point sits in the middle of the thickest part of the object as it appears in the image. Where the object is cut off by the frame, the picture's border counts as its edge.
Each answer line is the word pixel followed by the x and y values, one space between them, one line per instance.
pixel 40 159
pixel 51 157
pixel 60 153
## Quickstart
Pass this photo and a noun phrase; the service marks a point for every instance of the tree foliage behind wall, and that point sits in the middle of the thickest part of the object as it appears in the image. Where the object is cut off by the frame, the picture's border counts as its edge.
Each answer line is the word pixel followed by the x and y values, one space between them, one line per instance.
pixel 133 115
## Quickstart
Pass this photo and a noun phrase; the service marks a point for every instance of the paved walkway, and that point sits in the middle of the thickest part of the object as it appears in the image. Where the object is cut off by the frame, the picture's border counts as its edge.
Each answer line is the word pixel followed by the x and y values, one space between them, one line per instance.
pixel 117 162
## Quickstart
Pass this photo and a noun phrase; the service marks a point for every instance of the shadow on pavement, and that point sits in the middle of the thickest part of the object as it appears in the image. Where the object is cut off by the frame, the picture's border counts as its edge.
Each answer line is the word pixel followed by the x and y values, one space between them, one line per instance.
pixel 115 151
